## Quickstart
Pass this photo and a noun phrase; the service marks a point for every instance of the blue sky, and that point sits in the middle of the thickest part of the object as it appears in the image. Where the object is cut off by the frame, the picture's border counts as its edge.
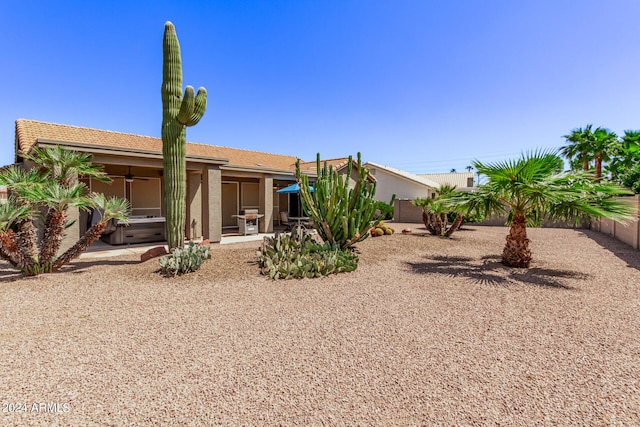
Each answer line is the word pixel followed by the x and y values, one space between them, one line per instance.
pixel 424 86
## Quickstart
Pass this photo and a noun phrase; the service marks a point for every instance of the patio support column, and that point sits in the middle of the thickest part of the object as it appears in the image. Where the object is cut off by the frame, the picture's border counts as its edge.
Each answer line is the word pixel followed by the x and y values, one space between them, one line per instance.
pixel 211 203
pixel 194 206
pixel 266 204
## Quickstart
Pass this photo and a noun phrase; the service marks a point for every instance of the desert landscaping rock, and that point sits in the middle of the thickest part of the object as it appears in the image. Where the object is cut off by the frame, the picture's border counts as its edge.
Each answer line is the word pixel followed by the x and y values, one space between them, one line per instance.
pixel 427 331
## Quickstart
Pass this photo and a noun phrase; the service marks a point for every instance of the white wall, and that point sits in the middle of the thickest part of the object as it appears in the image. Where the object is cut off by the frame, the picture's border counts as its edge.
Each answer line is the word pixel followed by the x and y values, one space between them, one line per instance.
pixel 388 184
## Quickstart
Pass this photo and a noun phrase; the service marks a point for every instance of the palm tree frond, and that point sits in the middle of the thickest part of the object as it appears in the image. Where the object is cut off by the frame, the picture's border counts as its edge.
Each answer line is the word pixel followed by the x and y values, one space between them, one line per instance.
pixel 111 207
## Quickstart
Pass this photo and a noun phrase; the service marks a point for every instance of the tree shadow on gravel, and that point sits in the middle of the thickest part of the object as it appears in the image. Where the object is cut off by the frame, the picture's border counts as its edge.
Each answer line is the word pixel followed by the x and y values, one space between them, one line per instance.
pixel 620 249
pixel 491 271
pixel 8 274
pixel 78 267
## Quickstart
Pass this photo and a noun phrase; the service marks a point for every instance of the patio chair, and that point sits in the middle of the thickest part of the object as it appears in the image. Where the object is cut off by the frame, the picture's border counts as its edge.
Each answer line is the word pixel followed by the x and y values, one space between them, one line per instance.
pixel 284 220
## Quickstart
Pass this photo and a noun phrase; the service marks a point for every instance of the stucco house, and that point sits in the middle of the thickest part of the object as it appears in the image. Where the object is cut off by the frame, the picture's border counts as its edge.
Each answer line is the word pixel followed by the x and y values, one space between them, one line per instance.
pixel 405 185
pixel 222 181
pixel 390 181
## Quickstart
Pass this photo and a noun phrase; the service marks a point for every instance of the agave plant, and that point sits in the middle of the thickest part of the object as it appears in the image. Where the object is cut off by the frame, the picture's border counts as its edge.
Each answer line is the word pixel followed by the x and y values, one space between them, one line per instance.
pixel 43 196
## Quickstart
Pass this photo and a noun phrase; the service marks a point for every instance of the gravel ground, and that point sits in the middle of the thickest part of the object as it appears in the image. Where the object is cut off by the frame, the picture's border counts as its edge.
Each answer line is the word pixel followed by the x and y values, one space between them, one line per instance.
pixel 427 331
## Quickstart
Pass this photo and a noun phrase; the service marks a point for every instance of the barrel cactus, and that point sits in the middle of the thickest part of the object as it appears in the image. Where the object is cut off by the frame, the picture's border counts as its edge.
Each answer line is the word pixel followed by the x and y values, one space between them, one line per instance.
pixel 178 112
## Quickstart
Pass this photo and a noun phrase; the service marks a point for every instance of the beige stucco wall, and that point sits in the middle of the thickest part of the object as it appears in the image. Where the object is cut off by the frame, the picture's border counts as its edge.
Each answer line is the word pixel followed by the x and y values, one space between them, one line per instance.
pixel 628 232
pixel 194 206
pixel 404 211
pixel 266 204
pixel 212 203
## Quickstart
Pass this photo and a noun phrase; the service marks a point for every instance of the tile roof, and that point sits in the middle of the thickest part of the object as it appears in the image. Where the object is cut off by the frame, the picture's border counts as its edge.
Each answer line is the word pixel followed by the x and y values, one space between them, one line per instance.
pixel 29 131
pixel 337 164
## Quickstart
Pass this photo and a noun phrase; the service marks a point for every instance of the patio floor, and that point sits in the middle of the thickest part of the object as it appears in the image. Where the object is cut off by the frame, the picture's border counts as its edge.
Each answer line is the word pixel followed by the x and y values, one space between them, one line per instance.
pixel 100 249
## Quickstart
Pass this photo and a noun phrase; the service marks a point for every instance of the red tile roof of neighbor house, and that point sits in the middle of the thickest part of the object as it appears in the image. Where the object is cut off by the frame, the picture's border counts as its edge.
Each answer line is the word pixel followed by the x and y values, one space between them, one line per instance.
pixel 29 131
pixel 337 163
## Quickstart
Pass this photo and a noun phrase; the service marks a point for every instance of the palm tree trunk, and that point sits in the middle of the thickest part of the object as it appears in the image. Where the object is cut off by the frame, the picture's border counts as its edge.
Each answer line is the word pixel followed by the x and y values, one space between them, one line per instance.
pixel 516 252
pixel 26 243
pixel 8 248
pixel 454 226
pixel 54 228
pixel 90 236
pixel 428 219
pixel 598 168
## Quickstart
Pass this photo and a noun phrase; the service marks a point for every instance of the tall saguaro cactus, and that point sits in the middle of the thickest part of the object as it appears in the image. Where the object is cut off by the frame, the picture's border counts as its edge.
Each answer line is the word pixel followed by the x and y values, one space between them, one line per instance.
pixel 178 112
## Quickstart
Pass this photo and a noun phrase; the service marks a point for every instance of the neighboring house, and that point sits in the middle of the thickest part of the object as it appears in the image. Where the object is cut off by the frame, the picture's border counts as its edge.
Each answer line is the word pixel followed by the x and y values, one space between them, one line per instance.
pixel 390 181
pixel 462 180
pixel 221 181
pixel 404 185
pixel 339 165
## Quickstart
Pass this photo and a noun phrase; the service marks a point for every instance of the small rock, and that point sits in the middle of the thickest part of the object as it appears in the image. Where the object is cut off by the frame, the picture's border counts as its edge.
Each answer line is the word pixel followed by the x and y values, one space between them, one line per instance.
pixel 406 231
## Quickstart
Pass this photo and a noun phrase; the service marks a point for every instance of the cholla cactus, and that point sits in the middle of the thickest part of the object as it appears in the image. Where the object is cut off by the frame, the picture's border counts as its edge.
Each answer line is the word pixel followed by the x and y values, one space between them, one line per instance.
pixel 178 112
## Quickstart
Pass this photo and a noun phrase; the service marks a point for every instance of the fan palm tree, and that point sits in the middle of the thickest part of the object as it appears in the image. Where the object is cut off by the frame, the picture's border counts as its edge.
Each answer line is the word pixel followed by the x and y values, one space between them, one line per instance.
pixel 50 189
pixel 56 198
pixel 587 144
pixel 578 151
pixel 12 214
pixel 532 189
pixel 434 212
pixel 66 165
pixel 603 142
pixel 111 208
pixel 624 155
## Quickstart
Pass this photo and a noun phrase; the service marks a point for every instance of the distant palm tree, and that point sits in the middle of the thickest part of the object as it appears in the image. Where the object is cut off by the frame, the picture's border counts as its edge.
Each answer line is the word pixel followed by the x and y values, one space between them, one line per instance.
pixel 587 144
pixel 579 150
pixel 624 155
pixel 603 142
pixel 469 168
pixel 453 170
pixel 532 189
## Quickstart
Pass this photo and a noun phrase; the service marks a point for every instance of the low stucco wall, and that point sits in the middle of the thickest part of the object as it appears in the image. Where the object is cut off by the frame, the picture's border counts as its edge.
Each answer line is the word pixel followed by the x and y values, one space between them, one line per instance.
pixel 628 233
pixel 404 211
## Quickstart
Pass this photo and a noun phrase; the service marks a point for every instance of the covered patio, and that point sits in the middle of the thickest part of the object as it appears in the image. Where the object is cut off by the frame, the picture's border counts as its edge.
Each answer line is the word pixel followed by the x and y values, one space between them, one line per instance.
pixel 222 182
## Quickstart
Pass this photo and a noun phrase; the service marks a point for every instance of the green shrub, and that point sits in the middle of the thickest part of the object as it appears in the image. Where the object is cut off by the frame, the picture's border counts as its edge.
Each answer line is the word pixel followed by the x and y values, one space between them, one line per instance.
pixel 289 256
pixel 467 218
pixel 184 260
pixel 386 209
pixel 631 179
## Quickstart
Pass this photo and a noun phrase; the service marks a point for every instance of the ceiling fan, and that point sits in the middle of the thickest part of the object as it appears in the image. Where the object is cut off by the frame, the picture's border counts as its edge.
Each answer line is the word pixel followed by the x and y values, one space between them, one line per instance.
pixel 129 177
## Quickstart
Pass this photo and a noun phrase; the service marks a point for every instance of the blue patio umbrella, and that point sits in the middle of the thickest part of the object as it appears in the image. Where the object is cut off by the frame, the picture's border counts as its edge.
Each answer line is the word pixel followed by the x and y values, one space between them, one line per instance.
pixel 292 189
